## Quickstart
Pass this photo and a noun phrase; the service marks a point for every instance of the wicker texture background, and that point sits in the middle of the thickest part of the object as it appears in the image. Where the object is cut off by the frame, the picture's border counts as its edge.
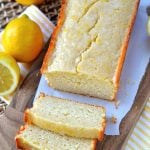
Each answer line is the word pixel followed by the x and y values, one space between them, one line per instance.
pixel 9 9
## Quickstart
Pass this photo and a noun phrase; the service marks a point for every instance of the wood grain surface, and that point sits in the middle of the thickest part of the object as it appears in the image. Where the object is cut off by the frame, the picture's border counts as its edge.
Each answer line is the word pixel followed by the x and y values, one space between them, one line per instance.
pixel 28 88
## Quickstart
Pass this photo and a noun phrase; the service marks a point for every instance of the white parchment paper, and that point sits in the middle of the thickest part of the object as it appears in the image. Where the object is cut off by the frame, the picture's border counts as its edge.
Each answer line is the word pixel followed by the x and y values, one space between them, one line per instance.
pixel 134 68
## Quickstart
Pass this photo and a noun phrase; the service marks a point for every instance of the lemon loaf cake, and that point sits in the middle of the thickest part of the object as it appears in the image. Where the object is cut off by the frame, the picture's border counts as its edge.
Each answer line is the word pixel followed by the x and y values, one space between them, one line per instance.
pixel 88 46
pixel 33 138
pixel 67 117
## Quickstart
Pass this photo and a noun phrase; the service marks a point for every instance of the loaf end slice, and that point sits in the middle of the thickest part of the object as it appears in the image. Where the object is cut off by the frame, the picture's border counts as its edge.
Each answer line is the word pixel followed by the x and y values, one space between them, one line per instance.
pixel 31 137
pixel 67 117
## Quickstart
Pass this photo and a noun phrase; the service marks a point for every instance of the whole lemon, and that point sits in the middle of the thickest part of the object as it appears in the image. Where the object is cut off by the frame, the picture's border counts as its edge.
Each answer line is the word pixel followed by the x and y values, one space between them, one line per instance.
pixel 30 2
pixel 22 39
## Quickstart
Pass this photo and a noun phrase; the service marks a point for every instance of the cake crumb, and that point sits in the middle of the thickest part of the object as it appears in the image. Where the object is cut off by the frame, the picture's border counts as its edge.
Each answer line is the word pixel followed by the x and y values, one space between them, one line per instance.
pixel 113 119
pixel 117 102
pixel 42 94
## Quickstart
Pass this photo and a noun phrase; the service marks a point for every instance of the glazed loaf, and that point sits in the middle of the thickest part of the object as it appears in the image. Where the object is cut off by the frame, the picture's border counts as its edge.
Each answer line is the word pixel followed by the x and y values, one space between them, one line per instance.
pixel 31 137
pixel 67 117
pixel 88 46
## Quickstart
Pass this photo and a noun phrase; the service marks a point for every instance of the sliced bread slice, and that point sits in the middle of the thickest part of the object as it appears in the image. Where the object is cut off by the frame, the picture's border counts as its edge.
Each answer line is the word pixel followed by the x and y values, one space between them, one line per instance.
pixel 31 137
pixel 67 117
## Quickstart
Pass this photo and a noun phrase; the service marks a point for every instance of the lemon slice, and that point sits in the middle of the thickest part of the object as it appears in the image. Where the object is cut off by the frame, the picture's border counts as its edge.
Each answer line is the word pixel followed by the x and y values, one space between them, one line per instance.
pixel 9 74
pixel 148 26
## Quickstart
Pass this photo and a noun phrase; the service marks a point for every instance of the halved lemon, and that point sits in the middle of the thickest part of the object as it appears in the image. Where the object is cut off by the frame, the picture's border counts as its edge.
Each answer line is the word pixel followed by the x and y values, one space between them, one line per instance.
pixel 9 74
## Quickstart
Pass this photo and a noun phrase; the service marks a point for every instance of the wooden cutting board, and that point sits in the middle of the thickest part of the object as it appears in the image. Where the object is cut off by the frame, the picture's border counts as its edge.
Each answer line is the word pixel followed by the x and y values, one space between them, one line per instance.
pixel 30 84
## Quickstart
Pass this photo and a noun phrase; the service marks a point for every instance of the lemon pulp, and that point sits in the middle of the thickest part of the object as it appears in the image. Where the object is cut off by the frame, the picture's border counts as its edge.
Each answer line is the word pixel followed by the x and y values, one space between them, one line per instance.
pixel 9 74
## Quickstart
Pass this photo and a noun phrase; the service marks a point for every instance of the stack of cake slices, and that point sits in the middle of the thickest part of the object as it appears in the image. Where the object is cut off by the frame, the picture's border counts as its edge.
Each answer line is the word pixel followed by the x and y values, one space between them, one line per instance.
pixel 54 123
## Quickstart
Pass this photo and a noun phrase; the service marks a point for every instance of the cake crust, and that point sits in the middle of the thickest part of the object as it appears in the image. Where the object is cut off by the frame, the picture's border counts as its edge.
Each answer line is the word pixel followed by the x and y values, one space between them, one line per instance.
pixel 124 48
pixel 19 142
pixel 52 44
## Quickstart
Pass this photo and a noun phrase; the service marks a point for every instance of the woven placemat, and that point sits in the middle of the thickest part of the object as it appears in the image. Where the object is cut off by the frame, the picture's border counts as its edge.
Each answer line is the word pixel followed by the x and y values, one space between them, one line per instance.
pixel 9 9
